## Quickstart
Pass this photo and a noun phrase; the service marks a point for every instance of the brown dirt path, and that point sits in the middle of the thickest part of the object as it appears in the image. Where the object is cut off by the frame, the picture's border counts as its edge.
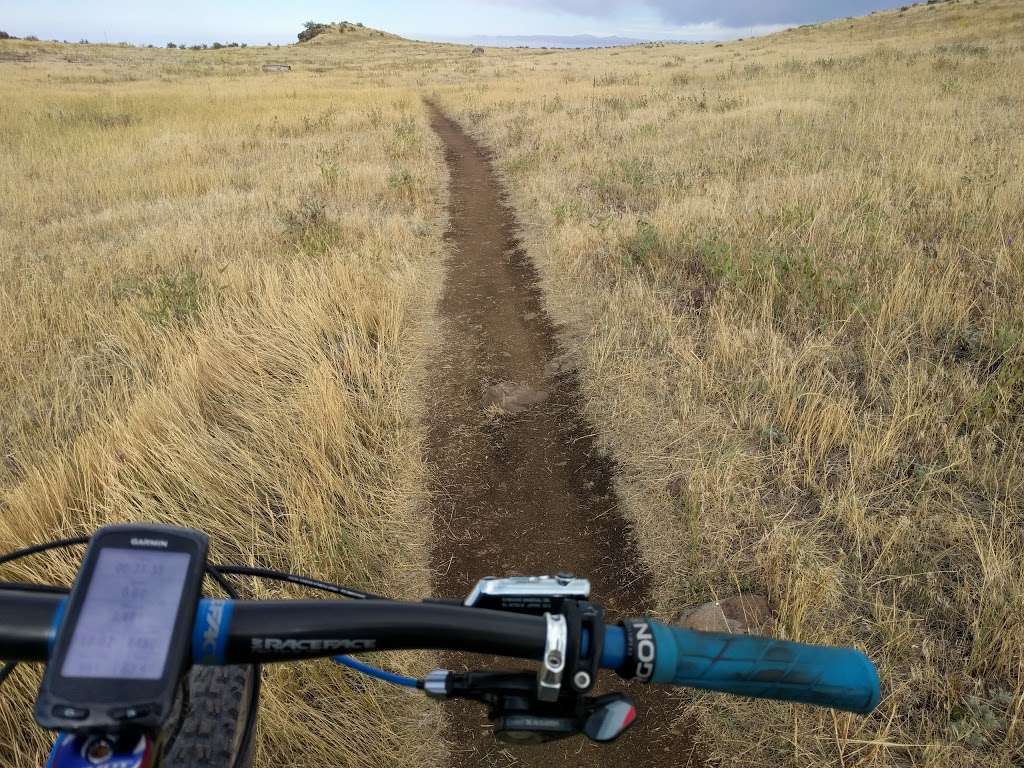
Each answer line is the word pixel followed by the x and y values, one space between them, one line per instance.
pixel 517 483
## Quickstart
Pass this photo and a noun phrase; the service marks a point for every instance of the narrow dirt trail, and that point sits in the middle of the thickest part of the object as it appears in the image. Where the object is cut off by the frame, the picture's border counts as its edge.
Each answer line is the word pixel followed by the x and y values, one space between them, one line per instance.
pixel 518 486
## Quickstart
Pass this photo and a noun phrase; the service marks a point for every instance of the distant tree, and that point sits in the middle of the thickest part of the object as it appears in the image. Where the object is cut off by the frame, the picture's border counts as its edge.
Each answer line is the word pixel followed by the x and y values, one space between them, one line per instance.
pixel 5 36
pixel 172 45
pixel 83 41
pixel 216 46
pixel 311 29
pixel 32 38
pixel 245 45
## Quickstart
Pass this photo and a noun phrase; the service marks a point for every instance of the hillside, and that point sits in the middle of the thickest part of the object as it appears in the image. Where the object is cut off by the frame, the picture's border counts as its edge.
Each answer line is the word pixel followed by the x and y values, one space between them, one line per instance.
pixel 340 33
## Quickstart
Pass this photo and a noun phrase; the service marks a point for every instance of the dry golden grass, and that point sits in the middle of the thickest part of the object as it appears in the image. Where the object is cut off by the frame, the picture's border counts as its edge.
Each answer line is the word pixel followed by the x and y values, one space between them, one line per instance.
pixel 791 270
pixel 216 286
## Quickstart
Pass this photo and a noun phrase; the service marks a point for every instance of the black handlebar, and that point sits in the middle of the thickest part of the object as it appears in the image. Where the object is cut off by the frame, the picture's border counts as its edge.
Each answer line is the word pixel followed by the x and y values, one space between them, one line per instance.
pixel 320 627
pixel 253 631
pixel 27 623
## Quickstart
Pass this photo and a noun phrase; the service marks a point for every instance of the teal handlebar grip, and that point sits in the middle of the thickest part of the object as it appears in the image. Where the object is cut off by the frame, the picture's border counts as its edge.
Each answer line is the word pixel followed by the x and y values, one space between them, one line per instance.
pixel 745 665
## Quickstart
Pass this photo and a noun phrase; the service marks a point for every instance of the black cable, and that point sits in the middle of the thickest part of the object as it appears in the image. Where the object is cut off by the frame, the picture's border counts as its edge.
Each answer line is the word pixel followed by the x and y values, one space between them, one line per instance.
pixel 35 550
pixel 214 573
pixel 24 586
pixel 292 578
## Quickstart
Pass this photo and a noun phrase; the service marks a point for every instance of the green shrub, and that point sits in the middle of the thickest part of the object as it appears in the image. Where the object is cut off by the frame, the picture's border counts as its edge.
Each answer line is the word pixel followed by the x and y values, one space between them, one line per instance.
pixel 400 179
pixel 167 298
pixel 963 49
pixel 310 227
pixel 642 246
pixel 176 297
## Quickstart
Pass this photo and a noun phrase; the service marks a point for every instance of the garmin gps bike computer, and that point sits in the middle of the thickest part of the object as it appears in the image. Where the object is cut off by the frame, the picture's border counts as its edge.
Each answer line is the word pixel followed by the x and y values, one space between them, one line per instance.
pixel 123 643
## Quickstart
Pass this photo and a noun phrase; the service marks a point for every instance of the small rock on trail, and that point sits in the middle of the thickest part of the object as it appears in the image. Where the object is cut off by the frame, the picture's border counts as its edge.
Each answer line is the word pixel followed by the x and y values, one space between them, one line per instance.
pixel 512 398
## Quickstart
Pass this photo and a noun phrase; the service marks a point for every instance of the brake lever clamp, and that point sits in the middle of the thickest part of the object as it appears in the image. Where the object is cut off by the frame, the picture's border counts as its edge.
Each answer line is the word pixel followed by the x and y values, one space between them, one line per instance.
pixel 575 628
pixel 553 704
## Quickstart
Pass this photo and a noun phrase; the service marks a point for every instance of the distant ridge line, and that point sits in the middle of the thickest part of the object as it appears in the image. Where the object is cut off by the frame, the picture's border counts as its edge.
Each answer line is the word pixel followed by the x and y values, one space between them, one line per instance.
pixel 542 41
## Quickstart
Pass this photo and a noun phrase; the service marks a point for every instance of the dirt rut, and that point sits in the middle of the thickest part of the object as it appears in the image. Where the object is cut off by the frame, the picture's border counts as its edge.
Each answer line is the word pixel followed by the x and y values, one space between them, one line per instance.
pixel 518 485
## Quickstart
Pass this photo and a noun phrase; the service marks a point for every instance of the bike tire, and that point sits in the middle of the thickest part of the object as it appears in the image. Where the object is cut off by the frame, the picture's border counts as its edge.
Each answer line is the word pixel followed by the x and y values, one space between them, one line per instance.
pixel 216 731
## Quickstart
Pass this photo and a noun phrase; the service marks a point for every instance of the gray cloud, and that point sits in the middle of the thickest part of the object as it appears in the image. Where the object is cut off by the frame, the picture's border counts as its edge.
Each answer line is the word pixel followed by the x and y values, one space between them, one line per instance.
pixel 732 13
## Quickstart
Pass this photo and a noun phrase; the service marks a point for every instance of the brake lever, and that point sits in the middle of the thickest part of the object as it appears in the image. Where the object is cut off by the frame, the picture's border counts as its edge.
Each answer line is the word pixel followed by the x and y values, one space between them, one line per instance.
pixel 521 717
pixel 604 719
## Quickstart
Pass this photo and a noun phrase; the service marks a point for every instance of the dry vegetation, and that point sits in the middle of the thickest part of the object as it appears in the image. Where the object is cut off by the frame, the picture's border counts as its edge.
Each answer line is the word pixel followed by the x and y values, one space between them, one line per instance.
pixel 212 290
pixel 789 269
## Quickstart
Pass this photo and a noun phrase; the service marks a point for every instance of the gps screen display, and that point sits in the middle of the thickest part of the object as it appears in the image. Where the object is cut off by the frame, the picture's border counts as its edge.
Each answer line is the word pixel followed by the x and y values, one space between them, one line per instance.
pixel 124 629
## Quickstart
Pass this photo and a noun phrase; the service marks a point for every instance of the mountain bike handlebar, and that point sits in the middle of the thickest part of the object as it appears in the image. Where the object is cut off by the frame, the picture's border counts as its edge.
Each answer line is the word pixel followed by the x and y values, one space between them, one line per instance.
pixel 254 631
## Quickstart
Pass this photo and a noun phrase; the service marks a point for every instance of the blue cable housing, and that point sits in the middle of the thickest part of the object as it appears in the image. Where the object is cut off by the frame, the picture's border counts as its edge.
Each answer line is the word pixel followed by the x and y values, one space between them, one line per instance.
pixel 380 674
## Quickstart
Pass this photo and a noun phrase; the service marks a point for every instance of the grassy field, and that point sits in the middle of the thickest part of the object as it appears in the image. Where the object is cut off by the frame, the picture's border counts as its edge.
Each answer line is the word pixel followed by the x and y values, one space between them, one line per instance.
pixel 216 288
pixel 789 270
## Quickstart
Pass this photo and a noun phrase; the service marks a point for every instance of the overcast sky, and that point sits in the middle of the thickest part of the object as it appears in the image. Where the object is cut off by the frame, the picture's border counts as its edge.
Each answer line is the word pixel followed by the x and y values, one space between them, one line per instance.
pixel 262 21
